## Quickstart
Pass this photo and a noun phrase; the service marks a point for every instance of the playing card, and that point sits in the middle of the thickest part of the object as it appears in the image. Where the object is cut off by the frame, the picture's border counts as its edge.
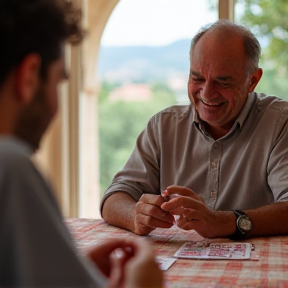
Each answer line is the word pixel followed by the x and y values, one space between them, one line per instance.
pixel 206 250
pixel 165 262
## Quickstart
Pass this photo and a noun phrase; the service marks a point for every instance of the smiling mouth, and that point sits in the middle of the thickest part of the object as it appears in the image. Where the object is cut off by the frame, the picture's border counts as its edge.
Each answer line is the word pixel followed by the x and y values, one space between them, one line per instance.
pixel 210 103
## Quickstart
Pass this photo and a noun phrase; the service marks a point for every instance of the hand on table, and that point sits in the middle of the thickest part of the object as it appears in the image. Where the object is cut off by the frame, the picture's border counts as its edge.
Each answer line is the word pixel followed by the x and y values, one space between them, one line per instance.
pixel 127 263
pixel 148 215
pixel 193 212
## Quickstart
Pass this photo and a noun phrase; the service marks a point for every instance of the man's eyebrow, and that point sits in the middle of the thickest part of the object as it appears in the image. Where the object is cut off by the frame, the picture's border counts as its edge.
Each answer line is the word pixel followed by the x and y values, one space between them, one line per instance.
pixel 224 78
pixel 194 73
pixel 219 78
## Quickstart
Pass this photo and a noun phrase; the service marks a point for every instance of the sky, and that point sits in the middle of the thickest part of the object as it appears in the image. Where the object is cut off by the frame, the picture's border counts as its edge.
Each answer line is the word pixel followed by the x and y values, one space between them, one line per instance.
pixel 156 22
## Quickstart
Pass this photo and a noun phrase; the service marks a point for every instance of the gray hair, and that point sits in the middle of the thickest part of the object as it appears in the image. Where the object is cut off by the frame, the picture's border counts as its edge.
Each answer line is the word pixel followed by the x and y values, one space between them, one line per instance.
pixel 252 46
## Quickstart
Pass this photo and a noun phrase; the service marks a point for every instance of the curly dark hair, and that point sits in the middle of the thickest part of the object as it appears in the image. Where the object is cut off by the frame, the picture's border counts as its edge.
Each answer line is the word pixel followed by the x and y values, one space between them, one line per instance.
pixel 36 26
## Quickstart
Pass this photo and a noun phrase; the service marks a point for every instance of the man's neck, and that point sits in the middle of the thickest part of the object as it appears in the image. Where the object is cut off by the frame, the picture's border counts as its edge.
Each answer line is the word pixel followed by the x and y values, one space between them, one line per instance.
pixel 7 118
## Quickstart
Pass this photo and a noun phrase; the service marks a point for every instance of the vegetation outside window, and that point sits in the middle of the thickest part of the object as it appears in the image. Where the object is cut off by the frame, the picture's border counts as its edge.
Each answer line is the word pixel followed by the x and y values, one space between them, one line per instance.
pixel 139 80
pixel 268 20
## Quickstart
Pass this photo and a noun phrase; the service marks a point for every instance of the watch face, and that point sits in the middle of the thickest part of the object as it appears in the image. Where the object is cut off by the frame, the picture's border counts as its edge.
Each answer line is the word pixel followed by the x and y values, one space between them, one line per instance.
pixel 244 223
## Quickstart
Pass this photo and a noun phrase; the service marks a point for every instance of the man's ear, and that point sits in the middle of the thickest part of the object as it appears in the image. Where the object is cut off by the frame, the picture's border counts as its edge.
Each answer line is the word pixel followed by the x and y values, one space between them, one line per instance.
pixel 254 79
pixel 27 79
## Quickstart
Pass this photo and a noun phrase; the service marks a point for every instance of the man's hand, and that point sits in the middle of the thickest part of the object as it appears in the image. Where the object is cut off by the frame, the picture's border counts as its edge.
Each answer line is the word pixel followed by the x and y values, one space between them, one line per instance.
pixel 127 263
pixel 142 271
pixel 194 214
pixel 148 215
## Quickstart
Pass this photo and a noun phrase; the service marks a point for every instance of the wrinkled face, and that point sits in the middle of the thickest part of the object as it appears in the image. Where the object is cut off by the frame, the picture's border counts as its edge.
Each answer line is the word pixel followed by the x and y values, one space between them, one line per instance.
pixel 37 115
pixel 218 83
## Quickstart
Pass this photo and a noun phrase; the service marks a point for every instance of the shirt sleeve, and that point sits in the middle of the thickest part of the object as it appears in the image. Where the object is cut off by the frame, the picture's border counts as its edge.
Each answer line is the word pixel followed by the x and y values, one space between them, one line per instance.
pixel 36 249
pixel 278 162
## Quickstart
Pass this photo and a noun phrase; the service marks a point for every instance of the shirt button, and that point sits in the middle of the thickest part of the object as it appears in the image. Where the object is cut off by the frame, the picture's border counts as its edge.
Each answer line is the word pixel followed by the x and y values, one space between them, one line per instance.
pixel 214 165
pixel 213 194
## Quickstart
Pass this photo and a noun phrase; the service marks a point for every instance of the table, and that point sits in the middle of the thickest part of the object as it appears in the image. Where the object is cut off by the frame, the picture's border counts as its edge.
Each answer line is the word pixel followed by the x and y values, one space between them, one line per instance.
pixel 271 270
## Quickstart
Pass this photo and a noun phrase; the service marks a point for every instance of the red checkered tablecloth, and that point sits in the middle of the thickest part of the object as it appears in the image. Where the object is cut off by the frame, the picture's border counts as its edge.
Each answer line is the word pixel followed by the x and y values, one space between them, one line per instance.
pixel 271 270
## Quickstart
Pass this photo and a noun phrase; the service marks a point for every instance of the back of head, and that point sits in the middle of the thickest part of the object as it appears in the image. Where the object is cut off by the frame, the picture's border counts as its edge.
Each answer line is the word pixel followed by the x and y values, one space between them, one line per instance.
pixel 35 26
pixel 225 29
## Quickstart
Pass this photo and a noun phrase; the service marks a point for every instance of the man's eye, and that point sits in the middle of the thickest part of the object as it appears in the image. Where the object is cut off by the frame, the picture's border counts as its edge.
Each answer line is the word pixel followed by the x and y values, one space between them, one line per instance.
pixel 198 80
pixel 225 85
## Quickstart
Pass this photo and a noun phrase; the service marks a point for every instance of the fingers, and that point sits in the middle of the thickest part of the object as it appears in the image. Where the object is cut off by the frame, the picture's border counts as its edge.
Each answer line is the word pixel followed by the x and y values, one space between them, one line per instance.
pixel 131 261
pixel 106 247
pixel 173 191
pixel 155 211
pixel 181 202
pixel 142 270
pixel 146 221
pixel 167 197
pixel 152 199
pixel 148 215
pixel 186 224
pixel 190 214
pixel 183 191
pixel 118 259
pixel 161 219
pixel 139 246
pixel 102 253
pixel 178 197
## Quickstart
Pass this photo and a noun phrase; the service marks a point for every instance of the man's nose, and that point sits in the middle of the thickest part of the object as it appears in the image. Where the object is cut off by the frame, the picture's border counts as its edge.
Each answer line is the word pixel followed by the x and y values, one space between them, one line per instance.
pixel 207 92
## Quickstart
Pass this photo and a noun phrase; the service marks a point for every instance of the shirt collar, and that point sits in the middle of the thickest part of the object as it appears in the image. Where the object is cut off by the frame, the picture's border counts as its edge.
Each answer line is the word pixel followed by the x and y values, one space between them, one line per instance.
pixel 246 109
pixel 240 119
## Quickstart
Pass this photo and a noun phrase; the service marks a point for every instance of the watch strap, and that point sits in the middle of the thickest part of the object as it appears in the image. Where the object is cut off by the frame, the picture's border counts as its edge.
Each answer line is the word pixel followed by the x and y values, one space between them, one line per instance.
pixel 238 235
pixel 238 213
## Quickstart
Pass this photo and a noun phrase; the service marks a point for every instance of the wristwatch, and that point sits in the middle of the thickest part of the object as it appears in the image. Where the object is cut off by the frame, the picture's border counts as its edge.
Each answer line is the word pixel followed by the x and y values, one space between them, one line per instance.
pixel 243 225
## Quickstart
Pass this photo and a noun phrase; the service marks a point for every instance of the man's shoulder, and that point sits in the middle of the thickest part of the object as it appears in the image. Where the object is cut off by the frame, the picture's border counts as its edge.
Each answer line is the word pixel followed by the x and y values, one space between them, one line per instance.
pixel 267 102
pixel 18 173
pixel 13 154
pixel 176 111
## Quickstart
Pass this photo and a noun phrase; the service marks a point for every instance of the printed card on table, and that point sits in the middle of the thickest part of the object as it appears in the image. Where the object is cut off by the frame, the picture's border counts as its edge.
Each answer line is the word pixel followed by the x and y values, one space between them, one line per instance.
pixel 205 250
pixel 165 262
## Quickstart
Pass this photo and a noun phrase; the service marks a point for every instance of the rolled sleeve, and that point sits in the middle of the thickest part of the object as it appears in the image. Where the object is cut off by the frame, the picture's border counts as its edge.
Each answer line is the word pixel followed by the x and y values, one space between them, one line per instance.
pixel 140 175
pixel 278 161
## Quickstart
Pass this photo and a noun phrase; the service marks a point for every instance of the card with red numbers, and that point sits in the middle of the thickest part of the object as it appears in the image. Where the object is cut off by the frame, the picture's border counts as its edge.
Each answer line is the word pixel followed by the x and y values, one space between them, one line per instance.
pixel 206 250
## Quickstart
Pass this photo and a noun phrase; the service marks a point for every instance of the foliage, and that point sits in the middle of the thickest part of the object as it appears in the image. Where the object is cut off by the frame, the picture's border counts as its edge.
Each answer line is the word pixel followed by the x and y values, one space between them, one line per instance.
pixel 273 84
pixel 119 125
pixel 269 22
pixel 269 19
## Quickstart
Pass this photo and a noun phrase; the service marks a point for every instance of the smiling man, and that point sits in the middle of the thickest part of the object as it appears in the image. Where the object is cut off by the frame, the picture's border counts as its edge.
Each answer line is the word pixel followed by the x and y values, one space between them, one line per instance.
pixel 225 155
pixel 220 79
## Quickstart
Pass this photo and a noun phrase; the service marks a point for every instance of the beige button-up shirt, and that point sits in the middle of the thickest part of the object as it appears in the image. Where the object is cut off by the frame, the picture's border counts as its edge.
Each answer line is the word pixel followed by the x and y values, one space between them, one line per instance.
pixel 245 169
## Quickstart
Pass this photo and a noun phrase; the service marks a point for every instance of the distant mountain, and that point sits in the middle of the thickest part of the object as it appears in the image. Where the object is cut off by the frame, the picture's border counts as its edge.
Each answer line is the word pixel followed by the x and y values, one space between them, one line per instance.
pixel 144 63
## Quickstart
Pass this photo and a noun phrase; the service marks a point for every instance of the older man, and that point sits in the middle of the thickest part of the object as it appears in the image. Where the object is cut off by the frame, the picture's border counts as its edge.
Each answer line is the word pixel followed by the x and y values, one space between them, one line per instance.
pixel 225 156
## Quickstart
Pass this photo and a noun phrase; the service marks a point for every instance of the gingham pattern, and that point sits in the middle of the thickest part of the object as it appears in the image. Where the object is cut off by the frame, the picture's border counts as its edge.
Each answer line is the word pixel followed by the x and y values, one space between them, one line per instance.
pixel 271 270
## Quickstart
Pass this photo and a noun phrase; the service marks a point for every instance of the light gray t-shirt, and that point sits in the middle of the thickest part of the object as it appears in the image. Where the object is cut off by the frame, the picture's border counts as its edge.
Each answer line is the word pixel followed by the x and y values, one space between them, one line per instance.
pixel 245 169
pixel 36 249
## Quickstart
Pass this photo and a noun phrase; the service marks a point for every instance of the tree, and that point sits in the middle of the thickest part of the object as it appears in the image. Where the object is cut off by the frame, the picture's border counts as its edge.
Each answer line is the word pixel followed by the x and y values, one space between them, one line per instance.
pixel 120 123
pixel 268 20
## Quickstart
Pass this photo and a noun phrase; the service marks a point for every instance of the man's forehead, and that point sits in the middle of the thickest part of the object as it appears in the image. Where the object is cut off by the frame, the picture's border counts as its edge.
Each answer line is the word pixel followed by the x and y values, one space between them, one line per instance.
pixel 214 52
pixel 217 40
